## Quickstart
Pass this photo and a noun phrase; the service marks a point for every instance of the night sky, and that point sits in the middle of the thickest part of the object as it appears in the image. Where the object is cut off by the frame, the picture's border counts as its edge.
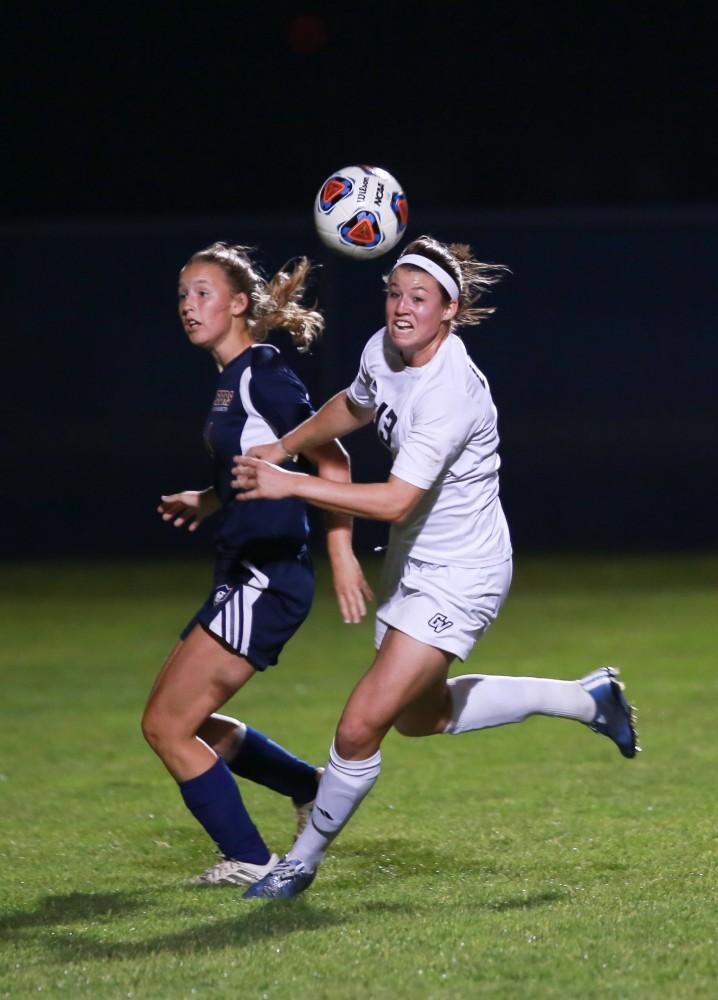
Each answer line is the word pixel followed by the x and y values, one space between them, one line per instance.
pixel 246 107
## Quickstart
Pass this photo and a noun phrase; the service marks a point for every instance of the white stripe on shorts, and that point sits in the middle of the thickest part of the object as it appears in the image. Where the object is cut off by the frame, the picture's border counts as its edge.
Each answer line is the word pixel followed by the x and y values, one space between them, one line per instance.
pixel 250 593
pixel 233 622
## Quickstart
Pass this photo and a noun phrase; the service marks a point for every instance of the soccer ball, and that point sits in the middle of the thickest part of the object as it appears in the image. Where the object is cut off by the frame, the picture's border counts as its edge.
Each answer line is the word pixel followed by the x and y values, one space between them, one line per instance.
pixel 361 211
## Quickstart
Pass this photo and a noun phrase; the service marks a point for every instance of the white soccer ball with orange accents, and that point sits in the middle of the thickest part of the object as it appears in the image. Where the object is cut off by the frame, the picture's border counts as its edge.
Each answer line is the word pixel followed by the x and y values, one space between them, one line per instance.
pixel 361 211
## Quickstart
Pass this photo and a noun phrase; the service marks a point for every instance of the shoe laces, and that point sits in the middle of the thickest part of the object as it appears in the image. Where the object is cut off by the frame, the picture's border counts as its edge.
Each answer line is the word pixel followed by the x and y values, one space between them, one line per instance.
pixel 286 869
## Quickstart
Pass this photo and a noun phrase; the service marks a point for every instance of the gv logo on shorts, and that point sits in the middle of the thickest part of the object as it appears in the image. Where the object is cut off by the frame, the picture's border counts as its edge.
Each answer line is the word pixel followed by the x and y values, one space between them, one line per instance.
pixel 439 622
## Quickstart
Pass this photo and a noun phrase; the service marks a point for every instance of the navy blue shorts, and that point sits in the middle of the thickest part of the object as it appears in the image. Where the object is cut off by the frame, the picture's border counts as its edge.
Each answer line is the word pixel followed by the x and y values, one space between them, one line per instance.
pixel 255 608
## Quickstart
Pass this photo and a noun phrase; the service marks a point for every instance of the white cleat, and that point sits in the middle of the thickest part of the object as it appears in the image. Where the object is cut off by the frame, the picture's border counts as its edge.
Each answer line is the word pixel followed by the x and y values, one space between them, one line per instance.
pixel 228 871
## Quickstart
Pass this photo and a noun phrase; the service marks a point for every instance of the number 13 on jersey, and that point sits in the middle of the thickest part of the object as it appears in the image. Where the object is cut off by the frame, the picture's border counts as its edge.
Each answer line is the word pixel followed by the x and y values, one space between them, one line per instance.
pixel 385 420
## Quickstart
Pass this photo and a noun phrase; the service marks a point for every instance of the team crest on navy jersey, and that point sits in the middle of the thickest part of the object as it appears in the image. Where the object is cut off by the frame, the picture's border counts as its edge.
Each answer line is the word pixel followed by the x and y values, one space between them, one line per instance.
pixel 223 399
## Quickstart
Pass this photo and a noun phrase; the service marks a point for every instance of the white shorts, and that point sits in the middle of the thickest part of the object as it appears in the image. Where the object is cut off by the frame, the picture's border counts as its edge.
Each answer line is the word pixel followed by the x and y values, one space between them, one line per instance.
pixel 448 607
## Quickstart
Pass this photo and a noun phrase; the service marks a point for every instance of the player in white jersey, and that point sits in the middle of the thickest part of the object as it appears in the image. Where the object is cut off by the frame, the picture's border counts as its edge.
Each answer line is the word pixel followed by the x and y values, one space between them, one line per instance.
pixel 448 567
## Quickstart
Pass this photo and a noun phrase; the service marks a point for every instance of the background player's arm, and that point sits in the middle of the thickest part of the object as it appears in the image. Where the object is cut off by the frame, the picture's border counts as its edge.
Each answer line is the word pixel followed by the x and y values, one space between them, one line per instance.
pixel 351 588
pixel 190 507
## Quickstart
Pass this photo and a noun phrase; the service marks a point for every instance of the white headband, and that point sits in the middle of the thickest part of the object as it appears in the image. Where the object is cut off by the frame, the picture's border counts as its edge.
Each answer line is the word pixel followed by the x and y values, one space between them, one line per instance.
pixel 443 277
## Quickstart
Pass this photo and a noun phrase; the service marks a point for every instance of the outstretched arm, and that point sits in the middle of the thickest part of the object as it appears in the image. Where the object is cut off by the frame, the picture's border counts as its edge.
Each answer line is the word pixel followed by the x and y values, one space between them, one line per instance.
pixel 393 500
pixel 338 416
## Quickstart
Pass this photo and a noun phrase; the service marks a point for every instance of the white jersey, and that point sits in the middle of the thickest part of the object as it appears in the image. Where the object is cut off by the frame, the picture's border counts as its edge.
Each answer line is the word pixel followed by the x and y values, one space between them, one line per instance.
pixel 439 422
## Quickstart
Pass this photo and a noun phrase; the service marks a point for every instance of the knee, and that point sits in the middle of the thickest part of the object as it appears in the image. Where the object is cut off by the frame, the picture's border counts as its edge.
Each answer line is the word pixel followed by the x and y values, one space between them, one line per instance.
pixel 154 731
pixel 357 739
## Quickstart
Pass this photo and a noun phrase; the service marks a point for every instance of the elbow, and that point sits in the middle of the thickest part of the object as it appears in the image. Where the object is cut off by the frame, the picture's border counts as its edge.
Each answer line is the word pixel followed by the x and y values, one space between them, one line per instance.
pixel 400 502
pixel 400 514
pixel 333 463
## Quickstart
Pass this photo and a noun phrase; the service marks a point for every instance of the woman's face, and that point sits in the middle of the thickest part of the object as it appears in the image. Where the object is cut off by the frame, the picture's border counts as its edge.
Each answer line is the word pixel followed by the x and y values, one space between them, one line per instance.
pixel 417 315
pixel 207 305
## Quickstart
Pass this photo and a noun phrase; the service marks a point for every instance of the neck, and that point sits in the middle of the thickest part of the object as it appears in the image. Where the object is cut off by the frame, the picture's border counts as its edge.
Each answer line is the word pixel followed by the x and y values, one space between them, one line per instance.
pixel 236 341
pixel 424 356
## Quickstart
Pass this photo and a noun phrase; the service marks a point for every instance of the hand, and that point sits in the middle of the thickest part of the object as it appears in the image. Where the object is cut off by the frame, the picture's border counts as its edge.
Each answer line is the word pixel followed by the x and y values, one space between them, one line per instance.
pixel 273 452
pixel 259 480
pixel 189 508
pixel 351 587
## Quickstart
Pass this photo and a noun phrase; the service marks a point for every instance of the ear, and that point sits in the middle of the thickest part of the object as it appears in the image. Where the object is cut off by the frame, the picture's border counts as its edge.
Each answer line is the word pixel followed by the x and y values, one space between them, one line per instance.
pixel 240 303
pixel 451 310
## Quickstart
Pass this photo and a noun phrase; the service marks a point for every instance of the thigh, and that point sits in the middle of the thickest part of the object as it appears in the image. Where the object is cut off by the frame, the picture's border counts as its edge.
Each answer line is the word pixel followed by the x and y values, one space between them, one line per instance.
pixel 199 677
pixel 403 671
pixel 166 665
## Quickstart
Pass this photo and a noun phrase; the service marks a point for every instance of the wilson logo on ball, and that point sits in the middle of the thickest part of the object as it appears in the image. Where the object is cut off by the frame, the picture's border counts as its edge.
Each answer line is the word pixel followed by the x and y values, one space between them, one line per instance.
pixel 333 191
pixel 362 230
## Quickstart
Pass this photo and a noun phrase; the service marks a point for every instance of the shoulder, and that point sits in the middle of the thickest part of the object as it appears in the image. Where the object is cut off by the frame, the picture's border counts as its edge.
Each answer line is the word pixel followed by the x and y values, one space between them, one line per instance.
pixel 269 380
pixel 268 366
pixel 374 344
pixel 462 369
pixel 379 352
pixel 454 391
pixel 264 356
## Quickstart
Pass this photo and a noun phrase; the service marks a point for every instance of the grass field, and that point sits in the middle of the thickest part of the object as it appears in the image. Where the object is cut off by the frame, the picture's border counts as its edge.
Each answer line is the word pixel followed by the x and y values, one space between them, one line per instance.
pixel 530 862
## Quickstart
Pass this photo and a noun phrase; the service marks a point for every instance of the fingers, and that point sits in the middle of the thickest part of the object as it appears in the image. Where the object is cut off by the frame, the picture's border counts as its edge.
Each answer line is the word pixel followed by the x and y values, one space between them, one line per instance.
pixel 352 602
pixel 244 472
pixel 348 610
pixel 178 513
pixel 242 462
pixel 244 481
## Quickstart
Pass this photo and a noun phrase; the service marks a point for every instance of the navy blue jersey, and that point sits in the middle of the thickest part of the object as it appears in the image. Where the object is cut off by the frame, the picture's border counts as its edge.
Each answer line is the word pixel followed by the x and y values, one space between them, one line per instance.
pixel 258 399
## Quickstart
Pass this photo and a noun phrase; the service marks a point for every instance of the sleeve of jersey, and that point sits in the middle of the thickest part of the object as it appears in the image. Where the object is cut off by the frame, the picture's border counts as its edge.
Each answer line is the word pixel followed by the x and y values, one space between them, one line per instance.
pixel 280 398
pixel 360 391
pixel 438 434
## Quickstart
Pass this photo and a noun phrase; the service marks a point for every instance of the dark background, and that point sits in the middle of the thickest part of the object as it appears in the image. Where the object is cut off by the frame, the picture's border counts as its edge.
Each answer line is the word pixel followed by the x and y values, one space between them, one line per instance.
pixel 574 145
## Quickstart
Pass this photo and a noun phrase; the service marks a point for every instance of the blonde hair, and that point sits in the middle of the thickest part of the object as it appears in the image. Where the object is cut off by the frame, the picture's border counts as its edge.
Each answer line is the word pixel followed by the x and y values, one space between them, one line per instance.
pixel 273 304
pixel 473 278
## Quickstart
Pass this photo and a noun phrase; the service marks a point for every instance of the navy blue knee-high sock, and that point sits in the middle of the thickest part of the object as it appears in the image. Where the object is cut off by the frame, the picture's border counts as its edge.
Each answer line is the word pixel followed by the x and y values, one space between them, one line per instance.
pixel 266 762
pixel 214 800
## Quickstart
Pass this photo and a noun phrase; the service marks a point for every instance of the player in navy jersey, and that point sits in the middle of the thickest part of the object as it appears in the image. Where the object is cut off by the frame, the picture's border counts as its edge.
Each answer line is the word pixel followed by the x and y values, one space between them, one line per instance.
pixel 264 582
pixel 448 566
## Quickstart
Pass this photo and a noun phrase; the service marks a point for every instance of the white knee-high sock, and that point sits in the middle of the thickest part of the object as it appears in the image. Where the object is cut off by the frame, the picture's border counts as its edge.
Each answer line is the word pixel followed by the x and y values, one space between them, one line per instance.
pixel 481 701
pixel 342 788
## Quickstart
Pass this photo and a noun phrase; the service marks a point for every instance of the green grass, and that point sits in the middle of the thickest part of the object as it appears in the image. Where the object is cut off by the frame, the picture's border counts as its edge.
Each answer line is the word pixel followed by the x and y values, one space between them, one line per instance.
pixel 530 861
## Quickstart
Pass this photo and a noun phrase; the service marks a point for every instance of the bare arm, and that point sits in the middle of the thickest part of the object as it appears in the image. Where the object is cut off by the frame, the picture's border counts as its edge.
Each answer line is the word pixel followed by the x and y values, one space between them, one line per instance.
pixel 338 416
pixel 393 500
pixel 351 588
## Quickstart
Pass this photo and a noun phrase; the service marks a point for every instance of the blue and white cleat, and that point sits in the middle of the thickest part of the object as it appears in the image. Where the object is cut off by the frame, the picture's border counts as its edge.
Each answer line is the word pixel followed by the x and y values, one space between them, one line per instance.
pixel 286 879
pixel 615 717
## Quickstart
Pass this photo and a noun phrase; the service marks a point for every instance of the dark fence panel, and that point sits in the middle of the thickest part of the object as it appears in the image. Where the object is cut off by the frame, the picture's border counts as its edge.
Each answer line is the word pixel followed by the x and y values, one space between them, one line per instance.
pixel 601 357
